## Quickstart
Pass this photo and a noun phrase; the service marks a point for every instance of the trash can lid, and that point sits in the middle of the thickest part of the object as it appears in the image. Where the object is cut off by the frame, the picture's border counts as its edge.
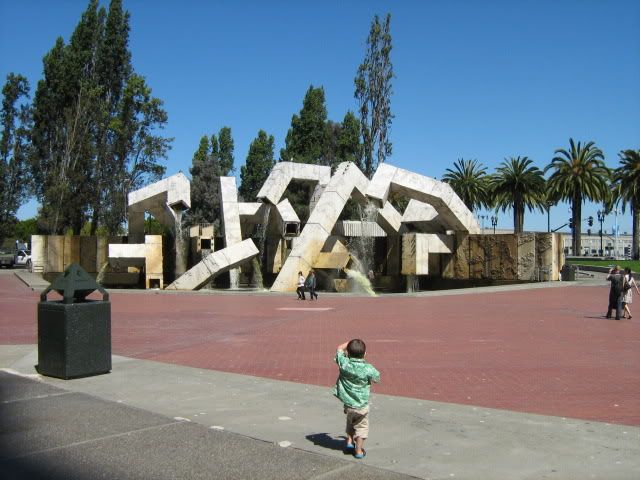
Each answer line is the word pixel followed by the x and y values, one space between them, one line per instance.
pixel 74 284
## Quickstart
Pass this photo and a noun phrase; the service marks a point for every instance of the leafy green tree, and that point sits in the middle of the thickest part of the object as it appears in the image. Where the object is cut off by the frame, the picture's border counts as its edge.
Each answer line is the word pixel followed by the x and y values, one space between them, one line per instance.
pixel 306 140
pixel 260 161
pixel 205 180
pixel 578 174
pixel 15 118
pixel 213 159
pixel 137 148
pixel 627 180
pixel 349 146
pixel 64 110
pixel 226 151
pixel 25 228
pixel 95 120
pixel 112 72
pixel 470 181
pixel 518 184
pixel 373 91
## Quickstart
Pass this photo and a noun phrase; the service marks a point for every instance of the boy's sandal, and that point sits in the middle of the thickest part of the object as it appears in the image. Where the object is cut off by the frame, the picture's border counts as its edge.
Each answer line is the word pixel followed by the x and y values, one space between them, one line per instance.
pixel 361 455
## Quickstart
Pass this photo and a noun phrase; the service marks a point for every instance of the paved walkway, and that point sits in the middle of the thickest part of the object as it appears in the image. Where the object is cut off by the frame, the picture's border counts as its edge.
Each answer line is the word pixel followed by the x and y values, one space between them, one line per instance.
pixel 544 388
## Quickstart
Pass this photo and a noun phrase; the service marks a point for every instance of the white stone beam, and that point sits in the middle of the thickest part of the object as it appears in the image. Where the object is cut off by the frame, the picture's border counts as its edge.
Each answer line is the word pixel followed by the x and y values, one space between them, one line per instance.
pixel 282 174
pixel 423 216
pixel 212 265
pixel 389 219
pixel 163 199
pixel 346 179
pixel 452 211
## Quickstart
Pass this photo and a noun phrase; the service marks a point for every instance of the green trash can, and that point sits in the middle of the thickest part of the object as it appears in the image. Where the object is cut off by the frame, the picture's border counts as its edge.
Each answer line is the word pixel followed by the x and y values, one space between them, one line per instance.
pixel 568 273
pixel 74 334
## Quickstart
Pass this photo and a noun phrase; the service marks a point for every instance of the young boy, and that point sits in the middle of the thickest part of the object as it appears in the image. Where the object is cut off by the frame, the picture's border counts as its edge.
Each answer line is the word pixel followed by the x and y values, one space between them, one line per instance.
pixel 352 388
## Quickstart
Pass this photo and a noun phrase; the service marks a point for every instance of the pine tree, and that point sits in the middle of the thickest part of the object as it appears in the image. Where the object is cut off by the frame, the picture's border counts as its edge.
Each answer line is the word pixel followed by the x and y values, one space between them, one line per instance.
pixel 257 167
pixel 349 147
pixel 226 151
pixel 306 140
pixel 14 179
pixel 205 175
pixel 373 92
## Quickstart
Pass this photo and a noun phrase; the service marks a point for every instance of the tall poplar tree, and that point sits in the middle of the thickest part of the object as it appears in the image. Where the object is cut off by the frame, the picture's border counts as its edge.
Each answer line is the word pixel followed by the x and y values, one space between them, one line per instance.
pixel 95 123
pixel 373 92
pixel 257 167
pixel 15 119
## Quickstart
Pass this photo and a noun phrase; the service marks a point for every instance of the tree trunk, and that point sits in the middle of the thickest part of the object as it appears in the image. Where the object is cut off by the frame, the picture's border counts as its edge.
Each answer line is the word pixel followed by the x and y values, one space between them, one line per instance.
pixel 94 221
pixel 576 215
pixel 635 248
pixel 518 217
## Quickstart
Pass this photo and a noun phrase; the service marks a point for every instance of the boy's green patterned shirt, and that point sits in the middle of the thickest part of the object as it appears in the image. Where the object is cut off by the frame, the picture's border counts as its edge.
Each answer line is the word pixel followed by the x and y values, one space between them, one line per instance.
pixel 354 383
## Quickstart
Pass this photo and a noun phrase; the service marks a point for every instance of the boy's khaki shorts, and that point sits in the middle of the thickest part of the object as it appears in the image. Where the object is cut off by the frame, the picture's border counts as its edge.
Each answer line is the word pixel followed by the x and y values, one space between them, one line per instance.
pixel 357 421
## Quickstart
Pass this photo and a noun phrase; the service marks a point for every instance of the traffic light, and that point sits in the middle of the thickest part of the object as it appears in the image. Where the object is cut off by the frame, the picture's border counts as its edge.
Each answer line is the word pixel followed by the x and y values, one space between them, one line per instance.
pixel 590 221
pixel 571 224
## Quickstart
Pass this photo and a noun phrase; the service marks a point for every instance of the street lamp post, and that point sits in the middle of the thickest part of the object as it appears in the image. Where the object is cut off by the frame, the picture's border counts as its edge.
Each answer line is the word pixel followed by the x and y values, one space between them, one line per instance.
pixel 601 215
pixel 494 223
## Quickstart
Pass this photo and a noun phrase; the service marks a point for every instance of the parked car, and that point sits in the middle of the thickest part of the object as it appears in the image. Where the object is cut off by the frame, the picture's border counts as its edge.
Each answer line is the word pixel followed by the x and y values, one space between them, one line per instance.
pixel 23 258
pixel 7 259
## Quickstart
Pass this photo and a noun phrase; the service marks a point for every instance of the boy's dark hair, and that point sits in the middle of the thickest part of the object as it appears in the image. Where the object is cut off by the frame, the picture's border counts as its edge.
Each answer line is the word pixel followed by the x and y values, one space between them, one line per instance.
pixel 356 348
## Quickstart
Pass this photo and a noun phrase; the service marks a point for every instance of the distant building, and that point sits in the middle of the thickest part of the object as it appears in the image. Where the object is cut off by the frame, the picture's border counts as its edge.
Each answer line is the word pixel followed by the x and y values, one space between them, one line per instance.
pixel 590 245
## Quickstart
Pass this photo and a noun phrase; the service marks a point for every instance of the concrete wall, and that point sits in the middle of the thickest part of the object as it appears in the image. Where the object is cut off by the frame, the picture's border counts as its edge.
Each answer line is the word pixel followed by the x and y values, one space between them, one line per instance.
pixel 527 256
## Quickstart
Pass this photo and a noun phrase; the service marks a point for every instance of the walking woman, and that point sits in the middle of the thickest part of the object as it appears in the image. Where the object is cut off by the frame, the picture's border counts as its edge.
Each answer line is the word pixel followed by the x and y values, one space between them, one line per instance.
pixel 628 295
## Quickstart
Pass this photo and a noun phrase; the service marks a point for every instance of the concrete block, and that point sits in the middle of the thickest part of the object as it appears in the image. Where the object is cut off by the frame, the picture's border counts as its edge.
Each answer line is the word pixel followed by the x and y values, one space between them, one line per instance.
pixel 438 243
pixel 230 211
pixel 286 212
pixel 55 254
pixel 71 250
pixel 250 211
pixel 455 215
pixel 282 174
pixel 165 200
pixel 336 260
pixel 38 253
pixel 346 180
pixel 389 219
pixel 380 185
pixel 88 254
pixel 526 256
pixel 212 265
pixel 415 254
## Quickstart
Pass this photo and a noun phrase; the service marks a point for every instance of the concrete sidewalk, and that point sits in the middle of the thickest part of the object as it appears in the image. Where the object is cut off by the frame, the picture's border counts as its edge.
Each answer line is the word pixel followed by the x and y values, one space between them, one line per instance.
pixel 154 420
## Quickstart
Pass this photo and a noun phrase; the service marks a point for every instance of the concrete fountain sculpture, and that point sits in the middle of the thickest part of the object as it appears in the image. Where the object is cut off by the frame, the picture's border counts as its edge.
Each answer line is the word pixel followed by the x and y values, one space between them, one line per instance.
pixel 434 236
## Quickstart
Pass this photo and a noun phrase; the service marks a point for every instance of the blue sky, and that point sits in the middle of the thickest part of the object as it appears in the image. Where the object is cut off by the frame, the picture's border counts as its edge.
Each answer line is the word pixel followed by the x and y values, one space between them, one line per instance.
pixel 474 79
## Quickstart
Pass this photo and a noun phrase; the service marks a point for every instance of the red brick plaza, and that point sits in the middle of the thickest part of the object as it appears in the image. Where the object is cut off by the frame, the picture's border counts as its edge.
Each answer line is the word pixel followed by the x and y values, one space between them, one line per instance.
pixel 547 350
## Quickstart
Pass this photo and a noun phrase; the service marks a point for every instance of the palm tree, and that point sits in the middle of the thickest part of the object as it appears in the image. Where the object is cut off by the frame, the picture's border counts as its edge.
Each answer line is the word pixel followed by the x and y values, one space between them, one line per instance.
pixel 518 184
pixel 579 174
pixel 470 182
pixel 627 181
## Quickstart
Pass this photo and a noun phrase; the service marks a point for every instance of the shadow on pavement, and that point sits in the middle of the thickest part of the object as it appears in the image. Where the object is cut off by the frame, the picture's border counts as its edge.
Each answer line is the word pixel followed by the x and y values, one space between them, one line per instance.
pixel 327 441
